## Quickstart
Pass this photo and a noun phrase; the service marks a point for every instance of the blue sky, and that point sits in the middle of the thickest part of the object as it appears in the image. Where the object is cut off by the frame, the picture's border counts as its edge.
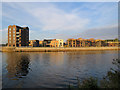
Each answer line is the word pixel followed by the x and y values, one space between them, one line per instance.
pixel 62 19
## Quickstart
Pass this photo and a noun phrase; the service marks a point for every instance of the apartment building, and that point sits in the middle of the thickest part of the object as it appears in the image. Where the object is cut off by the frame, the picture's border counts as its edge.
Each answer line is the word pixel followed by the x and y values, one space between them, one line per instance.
pixel 83 42
pixel 76 42
pixel 40 43
pixel 52 43
pixel 112 42
pixel 60 42
pixel 18 36
pixel 34 43
pixel 47 42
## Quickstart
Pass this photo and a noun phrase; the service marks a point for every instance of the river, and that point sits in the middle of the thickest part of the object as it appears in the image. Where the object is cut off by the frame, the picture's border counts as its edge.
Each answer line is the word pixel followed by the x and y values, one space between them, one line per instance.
pixel 53 69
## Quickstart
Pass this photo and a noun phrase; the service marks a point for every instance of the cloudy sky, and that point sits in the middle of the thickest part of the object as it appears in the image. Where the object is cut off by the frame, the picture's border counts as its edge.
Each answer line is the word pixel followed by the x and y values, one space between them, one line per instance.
pixel 62 19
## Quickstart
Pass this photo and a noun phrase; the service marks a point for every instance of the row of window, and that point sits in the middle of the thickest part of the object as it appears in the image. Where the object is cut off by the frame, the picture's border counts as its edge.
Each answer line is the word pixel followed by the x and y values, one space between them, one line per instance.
pixel 10 32
pixel 10 41
pixel 14 35
pixel 10 38
pixel 10 29
pixel 14 41
pixel 10 35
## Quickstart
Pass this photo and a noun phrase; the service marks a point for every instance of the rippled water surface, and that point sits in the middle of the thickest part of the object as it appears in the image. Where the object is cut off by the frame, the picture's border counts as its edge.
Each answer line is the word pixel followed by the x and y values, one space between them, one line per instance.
pixel 53 69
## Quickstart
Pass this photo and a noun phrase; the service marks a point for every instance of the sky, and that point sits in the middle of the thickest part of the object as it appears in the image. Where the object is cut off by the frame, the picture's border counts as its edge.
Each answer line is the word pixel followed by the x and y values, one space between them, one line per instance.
pixel 62 20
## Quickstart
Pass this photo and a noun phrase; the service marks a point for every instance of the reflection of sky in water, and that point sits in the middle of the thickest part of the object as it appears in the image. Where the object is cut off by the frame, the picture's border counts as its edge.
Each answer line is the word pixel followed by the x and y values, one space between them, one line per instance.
pixel 54 69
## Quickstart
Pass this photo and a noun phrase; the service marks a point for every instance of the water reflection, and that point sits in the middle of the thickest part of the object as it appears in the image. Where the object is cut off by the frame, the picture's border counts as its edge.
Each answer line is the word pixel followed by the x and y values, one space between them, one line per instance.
pixel 17 65
pixel 53 69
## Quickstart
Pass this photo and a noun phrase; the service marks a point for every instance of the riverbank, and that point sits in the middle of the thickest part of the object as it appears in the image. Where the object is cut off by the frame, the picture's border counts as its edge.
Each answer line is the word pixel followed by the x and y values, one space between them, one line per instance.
pixel 52 49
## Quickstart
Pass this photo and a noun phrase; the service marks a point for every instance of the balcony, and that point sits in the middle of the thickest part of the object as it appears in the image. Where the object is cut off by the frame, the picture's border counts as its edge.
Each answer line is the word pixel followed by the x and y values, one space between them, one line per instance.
pixel 17 36
pixel 17 32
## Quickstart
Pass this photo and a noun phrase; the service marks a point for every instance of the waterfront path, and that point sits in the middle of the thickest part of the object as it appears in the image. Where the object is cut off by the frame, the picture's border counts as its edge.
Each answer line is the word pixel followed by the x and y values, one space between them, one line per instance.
pixel 0 49
pixel 52 49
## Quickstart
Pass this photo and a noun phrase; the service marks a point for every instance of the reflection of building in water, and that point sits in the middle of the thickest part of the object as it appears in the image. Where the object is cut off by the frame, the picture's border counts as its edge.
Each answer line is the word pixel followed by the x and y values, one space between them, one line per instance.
pixel 57 58
pixel 52 58
pixel 18 64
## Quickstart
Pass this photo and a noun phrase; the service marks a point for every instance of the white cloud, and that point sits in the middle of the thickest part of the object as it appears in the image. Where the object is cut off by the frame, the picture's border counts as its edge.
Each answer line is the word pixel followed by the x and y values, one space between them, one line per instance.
pixel 52 18
pixel 48 17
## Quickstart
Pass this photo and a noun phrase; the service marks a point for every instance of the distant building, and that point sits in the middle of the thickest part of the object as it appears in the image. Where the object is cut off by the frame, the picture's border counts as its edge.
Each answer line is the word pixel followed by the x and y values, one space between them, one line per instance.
pixel 34 43
pixel 47 42
pixel 52 43
pixel 18 36
pixel 83 42
pixel 40 43
pixel 76 42
pixel 60 42
pixel 112 42
pixel 65 44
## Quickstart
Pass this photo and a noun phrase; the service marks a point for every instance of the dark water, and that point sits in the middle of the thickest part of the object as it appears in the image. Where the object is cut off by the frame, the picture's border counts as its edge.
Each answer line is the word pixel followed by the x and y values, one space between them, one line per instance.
pixel 53 69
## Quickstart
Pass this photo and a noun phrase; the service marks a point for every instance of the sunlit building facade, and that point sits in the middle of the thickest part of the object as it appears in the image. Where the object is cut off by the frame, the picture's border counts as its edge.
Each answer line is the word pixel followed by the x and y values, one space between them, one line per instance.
pixel 18 36
pixel 40 43
pixel 52 43
pixel 60 42
pixel 34 43
pixel 112 42
pixel 84 42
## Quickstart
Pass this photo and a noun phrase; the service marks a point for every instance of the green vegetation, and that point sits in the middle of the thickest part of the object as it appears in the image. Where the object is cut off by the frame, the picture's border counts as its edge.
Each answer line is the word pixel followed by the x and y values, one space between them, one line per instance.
pixel 111 80
pixel 88 83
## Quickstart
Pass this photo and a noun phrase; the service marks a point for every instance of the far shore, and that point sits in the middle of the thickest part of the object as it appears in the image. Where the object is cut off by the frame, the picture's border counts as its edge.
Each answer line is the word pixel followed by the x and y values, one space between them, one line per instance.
pixel 52 49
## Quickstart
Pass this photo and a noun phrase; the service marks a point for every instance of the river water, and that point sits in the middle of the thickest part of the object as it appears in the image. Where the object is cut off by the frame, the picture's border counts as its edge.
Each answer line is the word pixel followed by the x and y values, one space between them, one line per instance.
pixel 53 69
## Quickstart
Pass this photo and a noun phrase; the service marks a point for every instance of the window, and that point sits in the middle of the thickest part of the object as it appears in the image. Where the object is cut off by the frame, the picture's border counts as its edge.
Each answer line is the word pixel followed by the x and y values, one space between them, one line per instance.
pixel 13 31
pixel 14 28
pixel 10 29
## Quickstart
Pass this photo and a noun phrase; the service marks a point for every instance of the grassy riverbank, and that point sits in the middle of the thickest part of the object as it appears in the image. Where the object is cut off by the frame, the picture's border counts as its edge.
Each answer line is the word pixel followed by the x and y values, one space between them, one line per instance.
pixel 51 49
